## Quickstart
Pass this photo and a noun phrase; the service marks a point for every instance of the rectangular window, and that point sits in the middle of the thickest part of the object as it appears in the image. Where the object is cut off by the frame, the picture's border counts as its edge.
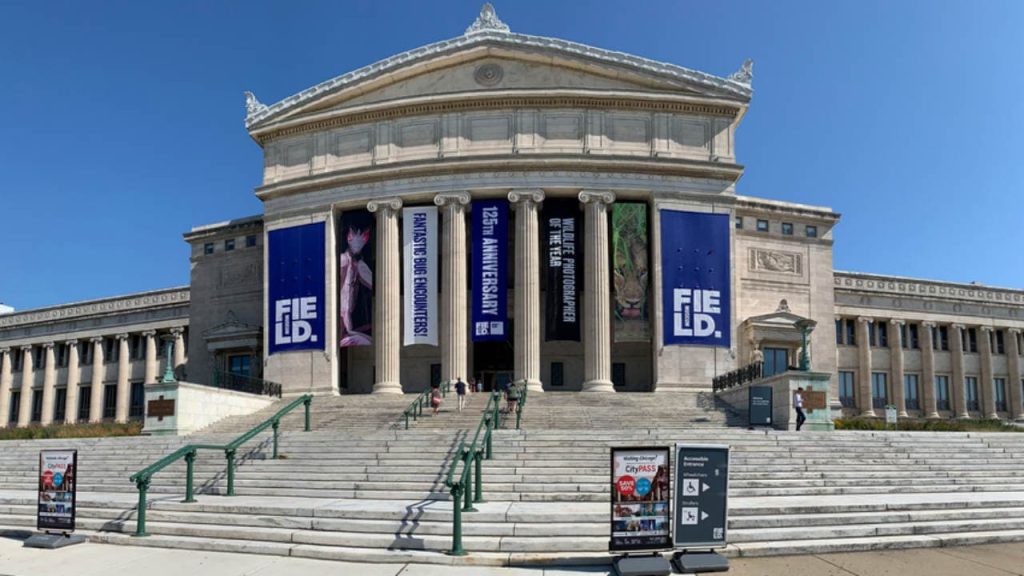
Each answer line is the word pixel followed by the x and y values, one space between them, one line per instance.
pixel 739 222
pixel 879 389
pixel 915 341
pixel 762 225
pixel 910 392
pixel 812 231
pixel 787 228
pixel 60 404
pixel 17 356
pixel 872 336
pixel 12 415
pixel 208 248
pixel 240 364
pixel 37 405
pixel 136 407
pixel 971 391
pixel 851 332
pixel 40 356
pixel 109 400
pixel 999 387
pixel 110 350
pixel 998 342
pixel 62 355
pixel 250 241
pixel 839 332
pixel 940 338
pixel 847 395
pixel 84 402
pixel 618 374
pixel 883 334
pixel 138 349
pixel 435 375
pixel 942 392
pixel 229 245
pixel 971 341
pixel 85 353
pixel 776 361
pixel 557 374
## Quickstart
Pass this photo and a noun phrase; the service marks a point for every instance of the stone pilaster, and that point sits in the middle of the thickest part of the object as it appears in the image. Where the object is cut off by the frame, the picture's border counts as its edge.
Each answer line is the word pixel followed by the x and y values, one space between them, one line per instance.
pixel 99 371
pixel 956 350
pixel 179 352
pixel 28 375
pixel 597 354
pixel 928 371
pixel 74 379
pixel 864 368
pixel 387 312
pixel 896 366
pixel 5 385
pixel 152 366
pixel 986 387
pixel 49 385
pixel 1013 367
pixel 454 321
pixel 527 293
pixel 124 367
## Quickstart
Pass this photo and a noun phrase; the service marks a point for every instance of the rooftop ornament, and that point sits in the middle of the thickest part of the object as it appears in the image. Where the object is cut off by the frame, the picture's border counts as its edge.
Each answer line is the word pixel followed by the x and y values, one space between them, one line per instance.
pixel 487 21
pixel 252 105
pixel 745 75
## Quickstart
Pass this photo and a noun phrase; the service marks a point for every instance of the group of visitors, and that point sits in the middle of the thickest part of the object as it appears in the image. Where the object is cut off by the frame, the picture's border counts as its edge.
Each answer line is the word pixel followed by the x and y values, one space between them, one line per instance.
pixel 508 389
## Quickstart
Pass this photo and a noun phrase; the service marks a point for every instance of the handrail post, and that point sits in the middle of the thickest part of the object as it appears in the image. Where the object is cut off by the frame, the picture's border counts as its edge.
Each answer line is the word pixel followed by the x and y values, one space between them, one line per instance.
pixel 479 497
pixel 230 454
pixel 406 414
pixel 140 519
pixel 190 460
pixel 468 492
pixel 487 438
pixel 457 549
pixel 275 426
pixel 306 403
pixel 519 415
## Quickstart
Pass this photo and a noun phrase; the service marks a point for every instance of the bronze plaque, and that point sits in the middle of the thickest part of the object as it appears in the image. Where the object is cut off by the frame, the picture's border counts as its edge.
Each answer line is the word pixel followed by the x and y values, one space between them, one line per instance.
pixel 160 408
pixel 814 400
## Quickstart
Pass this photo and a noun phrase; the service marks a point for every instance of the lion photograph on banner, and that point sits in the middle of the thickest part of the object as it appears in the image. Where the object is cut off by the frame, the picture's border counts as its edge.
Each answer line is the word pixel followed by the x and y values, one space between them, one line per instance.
pixel 629 272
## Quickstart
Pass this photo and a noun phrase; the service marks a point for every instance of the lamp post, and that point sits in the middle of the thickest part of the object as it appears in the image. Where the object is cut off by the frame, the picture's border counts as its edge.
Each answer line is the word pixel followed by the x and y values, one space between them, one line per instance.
pixel 169 355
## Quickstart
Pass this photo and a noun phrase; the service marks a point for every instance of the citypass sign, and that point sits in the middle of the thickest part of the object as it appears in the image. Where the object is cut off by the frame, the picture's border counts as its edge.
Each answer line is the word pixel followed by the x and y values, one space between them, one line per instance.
pixel 641 499
pixel 295 287
pixel 696 291
pixel 56 510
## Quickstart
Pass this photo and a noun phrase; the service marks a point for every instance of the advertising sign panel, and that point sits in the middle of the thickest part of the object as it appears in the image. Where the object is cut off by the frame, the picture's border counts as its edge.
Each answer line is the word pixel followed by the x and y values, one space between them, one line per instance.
pixel 356 262
pixel 563 249
pixel 57 480
pixel 629 272
pixel 696 292
pixel 295 287
pixel 641 499
pixel 490 270
pixel 759 408
pixel 419 233
pixel 702 490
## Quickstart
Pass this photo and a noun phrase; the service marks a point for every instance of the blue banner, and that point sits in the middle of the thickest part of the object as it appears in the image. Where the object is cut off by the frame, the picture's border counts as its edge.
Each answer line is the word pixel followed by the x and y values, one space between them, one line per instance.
pixel 696 290
pixel 490 270
pixel 295 288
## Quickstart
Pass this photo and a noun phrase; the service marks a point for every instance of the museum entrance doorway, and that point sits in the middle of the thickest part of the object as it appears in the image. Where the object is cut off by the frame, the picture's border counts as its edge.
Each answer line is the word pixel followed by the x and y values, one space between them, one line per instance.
pixel 493 363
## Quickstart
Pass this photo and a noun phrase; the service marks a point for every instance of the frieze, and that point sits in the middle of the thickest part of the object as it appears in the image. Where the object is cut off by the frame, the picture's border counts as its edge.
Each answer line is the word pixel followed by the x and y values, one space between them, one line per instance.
pixel 927 289
pixel 775 261
pixel 141 301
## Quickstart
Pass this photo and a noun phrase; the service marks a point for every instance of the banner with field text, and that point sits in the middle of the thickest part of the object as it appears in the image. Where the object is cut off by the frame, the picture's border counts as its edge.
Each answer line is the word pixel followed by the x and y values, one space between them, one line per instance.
pixel 419 233
pixel 629 272
pixel 563 249
pixel 295 287
pixel 696 292
pixel 490 270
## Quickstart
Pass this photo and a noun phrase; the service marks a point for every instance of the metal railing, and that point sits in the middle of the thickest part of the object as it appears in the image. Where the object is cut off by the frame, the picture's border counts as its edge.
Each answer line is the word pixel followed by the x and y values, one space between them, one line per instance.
pixel 242 383
pixel 189 452
pixel 415 409
pixel 740 376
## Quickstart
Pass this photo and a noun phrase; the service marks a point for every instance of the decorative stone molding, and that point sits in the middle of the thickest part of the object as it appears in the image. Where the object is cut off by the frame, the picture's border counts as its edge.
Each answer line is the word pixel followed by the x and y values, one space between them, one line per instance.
pixel 125 304
pixel 97 339
pixel 957 326
pixel 928 324
pixel 864 319
pixel 385 205
pixel 745 75
pixel 985 329
pixel 452 199
pixel 177 331
pixel 149 333
pixel 489 74
pixel 487 20
pixel 777 261
pixel 526 196
pixel 252 105
pixel 48 345
pixel 26 348
pixel 596 197
pixel 927 289
pixel 5 350
pixel 122 336
pixel 897 321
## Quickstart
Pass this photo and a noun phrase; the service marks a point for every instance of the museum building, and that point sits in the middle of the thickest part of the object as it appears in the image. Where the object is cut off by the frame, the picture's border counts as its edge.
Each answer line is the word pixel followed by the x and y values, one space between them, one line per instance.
pixel 502 206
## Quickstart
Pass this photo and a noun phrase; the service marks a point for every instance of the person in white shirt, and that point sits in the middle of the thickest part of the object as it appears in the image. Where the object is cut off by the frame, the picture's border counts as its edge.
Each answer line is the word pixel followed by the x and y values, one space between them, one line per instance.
pixel 798 404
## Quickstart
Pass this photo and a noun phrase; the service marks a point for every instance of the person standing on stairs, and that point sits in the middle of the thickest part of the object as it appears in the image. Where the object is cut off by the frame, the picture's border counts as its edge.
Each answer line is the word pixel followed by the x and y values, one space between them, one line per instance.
pixel 460 389
pixel 798 405
pixel 435 399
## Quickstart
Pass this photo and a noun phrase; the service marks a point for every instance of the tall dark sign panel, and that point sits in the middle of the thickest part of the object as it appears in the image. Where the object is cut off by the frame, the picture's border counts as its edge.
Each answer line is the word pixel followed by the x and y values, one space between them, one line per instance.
pixel 295 287
pixel 629 272
pixel 696 289
pixel 490 270
pixel 57 481
pixel 759 406
pixel 641 499
pixel 356 263
pixel 701 499
pixel 563 250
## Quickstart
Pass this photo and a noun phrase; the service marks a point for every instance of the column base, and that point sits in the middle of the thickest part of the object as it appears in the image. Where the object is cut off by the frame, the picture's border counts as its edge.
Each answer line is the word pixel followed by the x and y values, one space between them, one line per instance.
pixel 387 388
pixel 534 385
pixel 902 414
pixel 933 415
pixel 868 414
pixel 598 386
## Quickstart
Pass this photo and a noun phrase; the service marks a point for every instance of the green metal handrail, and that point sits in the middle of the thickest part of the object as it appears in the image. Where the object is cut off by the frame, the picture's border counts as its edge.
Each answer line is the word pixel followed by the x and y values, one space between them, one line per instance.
pixel 416 408
pixel 189 452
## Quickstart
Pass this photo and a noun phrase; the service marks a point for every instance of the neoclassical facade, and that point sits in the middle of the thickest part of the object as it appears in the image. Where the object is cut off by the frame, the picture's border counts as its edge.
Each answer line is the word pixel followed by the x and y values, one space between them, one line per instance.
pixel 545 143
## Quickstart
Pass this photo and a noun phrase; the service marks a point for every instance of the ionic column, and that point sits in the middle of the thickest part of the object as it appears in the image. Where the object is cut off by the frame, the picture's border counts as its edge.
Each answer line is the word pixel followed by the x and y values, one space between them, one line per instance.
pixel 5 386
pixel 956 337
pixel 152 366
pixel 864 367
pixel 386 302
pixel 928 371
pixel 49 385
pixel 454 335
pixel 28 374
pixel 597 352
pixel 1013 367
pixel 179 352
pixel 98 373
pixel 124 366
pixel 987 387
pixel 527 294
pixel 896 366
pixel 74 378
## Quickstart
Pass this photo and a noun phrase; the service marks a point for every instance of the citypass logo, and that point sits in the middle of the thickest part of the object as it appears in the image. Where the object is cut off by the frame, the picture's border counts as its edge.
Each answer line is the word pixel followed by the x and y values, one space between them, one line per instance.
pixel 696 312
pixel 292 320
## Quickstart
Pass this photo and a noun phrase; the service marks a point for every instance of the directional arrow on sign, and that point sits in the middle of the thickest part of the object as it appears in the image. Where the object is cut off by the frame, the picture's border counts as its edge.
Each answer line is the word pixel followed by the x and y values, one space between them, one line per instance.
pixel 705 487
pixel 703 515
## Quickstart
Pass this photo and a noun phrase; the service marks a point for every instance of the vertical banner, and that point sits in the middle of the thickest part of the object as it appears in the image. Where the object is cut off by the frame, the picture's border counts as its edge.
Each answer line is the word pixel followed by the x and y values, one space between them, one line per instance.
pixel 57 469
pixel 419 231
pixel 696 291
pixel 295 287
pixel 356 261
pixel 641 499
pixel 563 248
pixel 629 272
pixel 490 270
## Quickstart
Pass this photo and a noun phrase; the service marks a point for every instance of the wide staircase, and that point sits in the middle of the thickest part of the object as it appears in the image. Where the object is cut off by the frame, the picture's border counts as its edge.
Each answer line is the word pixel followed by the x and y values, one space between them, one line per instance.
pixel 362 487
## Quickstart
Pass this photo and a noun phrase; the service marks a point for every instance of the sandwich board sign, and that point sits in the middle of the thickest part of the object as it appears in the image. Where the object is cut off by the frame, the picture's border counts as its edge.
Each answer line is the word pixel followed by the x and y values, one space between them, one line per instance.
pixel 759 409
pixel 55 504
pixel 701 498
pixel 640 499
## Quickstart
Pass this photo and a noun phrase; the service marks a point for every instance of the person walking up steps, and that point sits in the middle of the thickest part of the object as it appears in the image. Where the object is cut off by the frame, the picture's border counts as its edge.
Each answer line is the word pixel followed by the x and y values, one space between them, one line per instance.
pixel 798 405
pixel 460 389
pixel 435 399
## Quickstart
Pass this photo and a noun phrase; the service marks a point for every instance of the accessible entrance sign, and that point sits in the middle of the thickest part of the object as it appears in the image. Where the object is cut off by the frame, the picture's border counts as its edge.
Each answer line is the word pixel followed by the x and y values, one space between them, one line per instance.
pixel 701 500
pixel 759 410
pixel 57 479
pixel 641 496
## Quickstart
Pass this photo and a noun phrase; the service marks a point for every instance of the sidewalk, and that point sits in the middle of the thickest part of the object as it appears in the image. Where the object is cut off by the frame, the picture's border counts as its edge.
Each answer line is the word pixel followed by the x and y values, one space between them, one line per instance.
pixel 106 560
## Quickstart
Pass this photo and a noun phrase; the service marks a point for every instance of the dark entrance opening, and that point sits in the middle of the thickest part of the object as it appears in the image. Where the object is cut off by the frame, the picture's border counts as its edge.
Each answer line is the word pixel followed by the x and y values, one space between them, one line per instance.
pixel 494 362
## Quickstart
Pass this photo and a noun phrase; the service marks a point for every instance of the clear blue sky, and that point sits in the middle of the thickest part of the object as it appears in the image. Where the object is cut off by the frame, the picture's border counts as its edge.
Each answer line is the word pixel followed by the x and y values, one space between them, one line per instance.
pixel 122 122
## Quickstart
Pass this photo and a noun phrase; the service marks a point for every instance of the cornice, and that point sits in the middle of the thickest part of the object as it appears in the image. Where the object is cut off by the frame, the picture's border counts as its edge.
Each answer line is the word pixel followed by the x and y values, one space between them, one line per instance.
pixel 857 282
pixel 130 303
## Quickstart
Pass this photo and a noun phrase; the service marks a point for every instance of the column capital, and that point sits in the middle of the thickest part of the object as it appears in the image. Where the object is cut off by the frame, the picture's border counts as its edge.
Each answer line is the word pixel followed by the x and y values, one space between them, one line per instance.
pixel 526 196
pixel 48 345
pixel 122 336
pixel 986 328
pixel 1014 330
pixel 96 339
pixel 596 197
pixel 928 324
pixel 864 319
pixel 149 333
pixel 5 350
pixel 177 330
pixel 26 347
pixel 71 342
pixel 455 199
pixel 897 321
pixel 957 326
pixel 385 206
